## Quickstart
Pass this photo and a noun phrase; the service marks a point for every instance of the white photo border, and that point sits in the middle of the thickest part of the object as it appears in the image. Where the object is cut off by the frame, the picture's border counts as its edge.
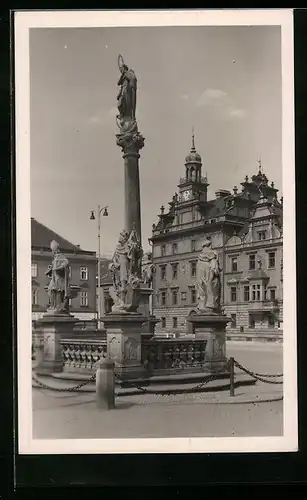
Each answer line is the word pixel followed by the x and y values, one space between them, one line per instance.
pixel 75 19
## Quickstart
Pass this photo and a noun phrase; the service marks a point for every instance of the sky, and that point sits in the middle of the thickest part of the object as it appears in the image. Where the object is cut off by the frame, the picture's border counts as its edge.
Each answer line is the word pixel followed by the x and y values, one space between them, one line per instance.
pixel 223 81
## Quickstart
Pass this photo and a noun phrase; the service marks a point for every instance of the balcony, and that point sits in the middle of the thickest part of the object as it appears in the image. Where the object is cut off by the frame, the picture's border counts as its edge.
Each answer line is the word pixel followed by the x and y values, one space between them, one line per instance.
pixel 184 180
pixel 263 305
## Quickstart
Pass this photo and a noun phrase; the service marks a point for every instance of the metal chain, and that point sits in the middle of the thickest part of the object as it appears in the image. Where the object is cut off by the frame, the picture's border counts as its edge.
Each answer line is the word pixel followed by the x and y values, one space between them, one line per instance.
pixel 169 392
pixel 75 388
pixel 256 375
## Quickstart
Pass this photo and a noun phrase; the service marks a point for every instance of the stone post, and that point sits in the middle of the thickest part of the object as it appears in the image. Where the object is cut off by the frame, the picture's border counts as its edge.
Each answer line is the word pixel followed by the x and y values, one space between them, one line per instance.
pixel 105 385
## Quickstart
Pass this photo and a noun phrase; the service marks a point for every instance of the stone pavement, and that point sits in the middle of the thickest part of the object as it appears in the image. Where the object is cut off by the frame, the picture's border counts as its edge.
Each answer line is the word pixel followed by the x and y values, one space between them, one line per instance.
pixel 66 415
pixel 74 415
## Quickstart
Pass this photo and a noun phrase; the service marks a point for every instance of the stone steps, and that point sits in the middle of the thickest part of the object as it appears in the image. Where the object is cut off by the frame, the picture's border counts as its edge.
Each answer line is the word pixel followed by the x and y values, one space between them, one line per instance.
pixel 176 384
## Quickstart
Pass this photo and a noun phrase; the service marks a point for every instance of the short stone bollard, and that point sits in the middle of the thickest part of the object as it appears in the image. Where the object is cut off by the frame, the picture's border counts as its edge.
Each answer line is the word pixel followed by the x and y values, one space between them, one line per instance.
pixel 232 376
pixel 105 385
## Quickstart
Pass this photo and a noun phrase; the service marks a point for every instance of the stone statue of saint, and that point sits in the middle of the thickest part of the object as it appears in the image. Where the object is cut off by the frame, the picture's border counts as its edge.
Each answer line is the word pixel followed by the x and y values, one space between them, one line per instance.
pixel 58 288
pixel 125 269
pixel 208 280
pixel 126 98
pixel 148 269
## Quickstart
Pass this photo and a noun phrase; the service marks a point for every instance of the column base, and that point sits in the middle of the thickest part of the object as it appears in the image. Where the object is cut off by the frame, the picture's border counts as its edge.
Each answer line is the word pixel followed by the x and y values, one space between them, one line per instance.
pixel 212 329
pixel 124 339
pixel 54 328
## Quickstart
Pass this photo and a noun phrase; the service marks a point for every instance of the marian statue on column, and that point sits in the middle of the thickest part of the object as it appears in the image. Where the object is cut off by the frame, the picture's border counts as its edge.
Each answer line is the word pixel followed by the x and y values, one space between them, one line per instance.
pixel 208 285
pixel 126 98
pixel 129 137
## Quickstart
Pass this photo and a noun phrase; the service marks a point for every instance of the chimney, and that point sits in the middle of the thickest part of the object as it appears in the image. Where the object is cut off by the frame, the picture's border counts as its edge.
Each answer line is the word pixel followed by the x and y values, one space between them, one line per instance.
pixel 222 193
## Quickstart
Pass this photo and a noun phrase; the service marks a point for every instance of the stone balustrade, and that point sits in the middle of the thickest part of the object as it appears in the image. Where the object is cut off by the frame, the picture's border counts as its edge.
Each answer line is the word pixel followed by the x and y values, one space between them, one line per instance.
pixel 81 356
pixel 169 354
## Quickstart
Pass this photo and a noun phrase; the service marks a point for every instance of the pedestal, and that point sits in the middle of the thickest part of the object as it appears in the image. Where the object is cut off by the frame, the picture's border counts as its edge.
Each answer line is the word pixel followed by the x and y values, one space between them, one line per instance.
pixel 124 339
pixel 54 328
pixel 212 329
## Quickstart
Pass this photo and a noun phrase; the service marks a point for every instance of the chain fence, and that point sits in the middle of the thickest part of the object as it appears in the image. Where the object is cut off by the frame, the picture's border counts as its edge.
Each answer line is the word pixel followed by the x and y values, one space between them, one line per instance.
pixel 261 377
pixel 75 388
pixel 169 392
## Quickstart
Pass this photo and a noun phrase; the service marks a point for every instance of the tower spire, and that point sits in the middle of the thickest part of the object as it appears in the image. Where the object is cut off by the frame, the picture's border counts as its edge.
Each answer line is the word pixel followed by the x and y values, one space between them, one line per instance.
pixel 259 164
pixel 193 141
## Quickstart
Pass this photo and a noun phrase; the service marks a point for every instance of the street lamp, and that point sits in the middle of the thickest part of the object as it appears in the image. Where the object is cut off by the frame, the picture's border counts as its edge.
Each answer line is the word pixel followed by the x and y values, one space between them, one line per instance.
pixel 93 217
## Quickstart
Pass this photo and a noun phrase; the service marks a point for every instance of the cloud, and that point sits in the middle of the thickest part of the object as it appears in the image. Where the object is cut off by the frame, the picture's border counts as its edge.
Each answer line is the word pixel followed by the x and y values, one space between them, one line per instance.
pixel 102 117
pixel 185 97
pixel 212 97
pixel 237 113
pixel 222 103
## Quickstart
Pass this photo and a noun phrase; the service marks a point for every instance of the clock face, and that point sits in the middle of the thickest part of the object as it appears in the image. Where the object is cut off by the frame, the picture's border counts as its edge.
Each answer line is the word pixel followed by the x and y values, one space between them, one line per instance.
pixel 186 195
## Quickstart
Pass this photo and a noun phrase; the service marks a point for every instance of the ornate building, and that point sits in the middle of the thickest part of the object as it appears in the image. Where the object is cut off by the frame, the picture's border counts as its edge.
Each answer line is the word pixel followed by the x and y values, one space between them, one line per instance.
pixel 83 272
pixel 245 229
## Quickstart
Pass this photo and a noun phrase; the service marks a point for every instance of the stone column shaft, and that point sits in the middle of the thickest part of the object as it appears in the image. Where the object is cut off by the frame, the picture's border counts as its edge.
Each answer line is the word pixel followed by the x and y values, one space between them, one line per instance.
pixel 132 193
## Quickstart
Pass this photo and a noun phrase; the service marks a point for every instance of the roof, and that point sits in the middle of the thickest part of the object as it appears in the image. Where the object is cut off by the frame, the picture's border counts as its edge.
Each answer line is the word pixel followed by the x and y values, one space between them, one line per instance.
pixel 41 237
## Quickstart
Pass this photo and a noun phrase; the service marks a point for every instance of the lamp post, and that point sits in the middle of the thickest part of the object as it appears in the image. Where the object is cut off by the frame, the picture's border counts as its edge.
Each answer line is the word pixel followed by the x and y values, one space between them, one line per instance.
pixel 93 217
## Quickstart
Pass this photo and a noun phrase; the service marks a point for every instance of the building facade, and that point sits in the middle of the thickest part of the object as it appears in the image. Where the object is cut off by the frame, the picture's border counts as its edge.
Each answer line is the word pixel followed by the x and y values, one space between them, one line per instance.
pixel 246 231
pixel 83 265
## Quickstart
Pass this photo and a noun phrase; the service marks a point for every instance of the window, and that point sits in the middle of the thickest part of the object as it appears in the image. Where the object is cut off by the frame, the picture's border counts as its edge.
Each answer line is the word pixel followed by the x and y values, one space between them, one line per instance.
pixel 83 273
pixel 33 270
pixel 233 294
pixel 163 297
pixel 175 297
pixel 254 292
pixel 246 293
pixel 193 295
pixel 271 259
pixel 252 262
pixel 261 235
pixel 193 245
pixel 163 272
pixel 175 322
pixel 233 320
pixel 251 321
pixel 257 292
pixel 175 248
pixel 70 302
pixel 272 294
pixel 34 297
pixel 183 296
pixel 234 264
pixel 193 269
pixel 162 250
pixel 175 271
pixel 163 322
pixel 271 321
pixel 83 299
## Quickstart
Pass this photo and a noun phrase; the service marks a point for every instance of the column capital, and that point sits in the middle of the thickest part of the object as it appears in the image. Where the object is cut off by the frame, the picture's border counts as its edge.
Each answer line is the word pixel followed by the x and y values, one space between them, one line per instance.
pixel 130 143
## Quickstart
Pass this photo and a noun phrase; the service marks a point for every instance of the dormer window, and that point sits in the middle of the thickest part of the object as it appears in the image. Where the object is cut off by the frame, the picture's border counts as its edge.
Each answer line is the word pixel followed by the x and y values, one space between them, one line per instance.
pixel 261 235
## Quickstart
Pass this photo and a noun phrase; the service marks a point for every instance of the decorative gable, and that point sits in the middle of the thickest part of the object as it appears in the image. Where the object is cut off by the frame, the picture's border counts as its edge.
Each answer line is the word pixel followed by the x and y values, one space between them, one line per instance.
pixel 234 240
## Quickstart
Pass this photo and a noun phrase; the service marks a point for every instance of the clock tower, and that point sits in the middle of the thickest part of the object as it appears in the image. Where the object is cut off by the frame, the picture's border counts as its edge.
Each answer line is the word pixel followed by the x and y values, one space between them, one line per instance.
pixel 193 186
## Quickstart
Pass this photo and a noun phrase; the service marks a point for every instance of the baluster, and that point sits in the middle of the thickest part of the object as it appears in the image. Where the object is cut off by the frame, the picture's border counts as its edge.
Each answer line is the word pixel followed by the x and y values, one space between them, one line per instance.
pixel 190 355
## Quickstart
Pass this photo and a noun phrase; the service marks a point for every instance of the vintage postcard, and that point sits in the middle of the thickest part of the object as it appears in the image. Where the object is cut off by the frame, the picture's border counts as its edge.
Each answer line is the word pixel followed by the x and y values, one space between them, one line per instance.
pixel 155 213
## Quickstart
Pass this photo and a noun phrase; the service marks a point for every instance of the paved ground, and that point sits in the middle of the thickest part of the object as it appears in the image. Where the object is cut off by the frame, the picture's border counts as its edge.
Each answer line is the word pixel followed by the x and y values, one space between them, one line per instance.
pixel 64 415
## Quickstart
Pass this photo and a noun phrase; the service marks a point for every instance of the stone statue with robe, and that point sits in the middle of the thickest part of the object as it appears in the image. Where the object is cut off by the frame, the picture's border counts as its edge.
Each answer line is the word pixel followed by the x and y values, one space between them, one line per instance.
pixel 125 269
pixel 208 285
pixel 129 137
pixel 126 98
pixel 58 288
